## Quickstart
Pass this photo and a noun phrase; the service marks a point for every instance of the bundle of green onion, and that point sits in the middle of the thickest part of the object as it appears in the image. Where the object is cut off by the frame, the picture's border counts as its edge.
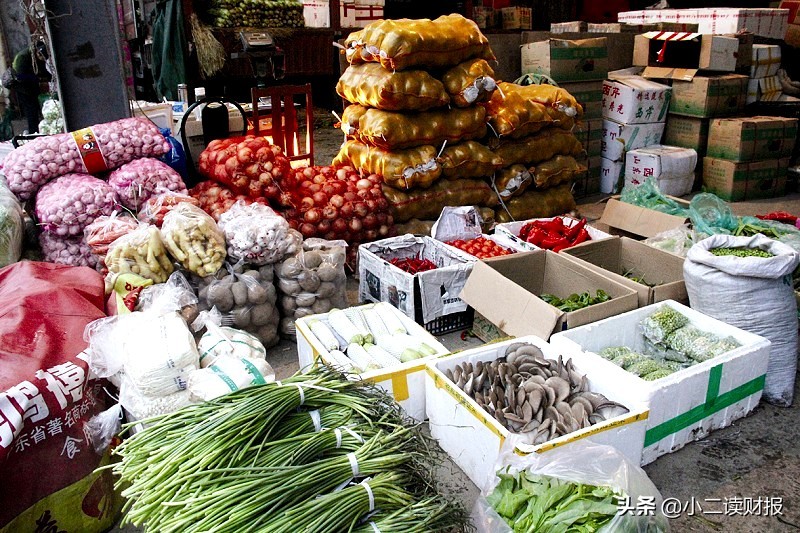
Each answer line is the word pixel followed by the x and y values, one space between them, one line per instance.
pixel 316 452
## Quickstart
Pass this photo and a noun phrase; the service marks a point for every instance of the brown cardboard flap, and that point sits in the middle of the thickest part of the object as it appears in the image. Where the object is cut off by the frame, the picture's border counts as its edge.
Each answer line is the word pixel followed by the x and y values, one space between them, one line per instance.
pixel 682 74
pixel 638 221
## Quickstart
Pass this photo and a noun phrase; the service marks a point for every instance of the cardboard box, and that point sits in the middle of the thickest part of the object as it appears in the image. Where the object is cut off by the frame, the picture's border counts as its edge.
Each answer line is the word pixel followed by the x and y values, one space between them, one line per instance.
pixel 317 13
pixel 671 166
pixel 688 132
pixel 763 90
pixel 631 99
pixel 630 220
pixel 473 438
pixel 794 7
pixel 464 223
pixel 506 292
pixel 620 255
pixel 568 27
pixel 680 55
pixel 367 14
pixel 770 23
pixel 766 60
pixel 565 60
pixel 510 230
pixel 589 94
pixel 745 55
pixel 404 382
pixel 734 182
pixel 752 138
pixel 517 18
pixel 690 403
pixel 612 175
pixel 588 183
pixel 711 96
pixel 619 45
pixel 589 131
pixel 423 297
pixel 483 17
pixel 620 138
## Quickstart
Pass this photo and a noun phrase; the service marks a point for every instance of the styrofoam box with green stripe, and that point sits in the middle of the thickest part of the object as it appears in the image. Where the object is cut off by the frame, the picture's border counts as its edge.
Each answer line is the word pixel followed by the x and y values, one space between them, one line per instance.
pixel 688 404
pixel 405 382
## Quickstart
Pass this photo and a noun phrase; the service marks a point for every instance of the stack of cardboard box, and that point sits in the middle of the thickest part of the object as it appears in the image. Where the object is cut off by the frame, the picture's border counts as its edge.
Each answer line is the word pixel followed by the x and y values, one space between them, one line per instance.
pixel 748 157
pixel 764 85
pixel 579 66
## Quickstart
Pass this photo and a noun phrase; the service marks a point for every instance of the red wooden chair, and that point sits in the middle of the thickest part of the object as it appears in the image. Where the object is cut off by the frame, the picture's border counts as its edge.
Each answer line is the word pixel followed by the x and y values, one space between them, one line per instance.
pixel 283 123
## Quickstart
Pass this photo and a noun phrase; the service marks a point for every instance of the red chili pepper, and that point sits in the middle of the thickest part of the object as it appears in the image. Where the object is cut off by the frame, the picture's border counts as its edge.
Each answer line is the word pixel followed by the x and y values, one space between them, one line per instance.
pixel 574 230
pixel 536 236
pixel 526 229
pixel 413 265
pixel 779 216
pixel 555 242
pixel 553 227
pixel 582 236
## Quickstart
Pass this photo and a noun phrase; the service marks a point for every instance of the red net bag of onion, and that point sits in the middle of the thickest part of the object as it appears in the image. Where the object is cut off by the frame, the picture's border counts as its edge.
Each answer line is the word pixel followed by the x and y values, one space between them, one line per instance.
pixel 248 165
pixel 141 179
pixel 104 147
pixel 71 251
pixel 68 204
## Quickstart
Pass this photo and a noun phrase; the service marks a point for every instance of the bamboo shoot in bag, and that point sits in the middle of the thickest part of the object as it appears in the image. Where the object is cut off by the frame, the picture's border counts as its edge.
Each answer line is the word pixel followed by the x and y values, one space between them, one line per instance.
pixel 470 82
pixel 428 203
pixel 538 147
pixel 537 204
pixel 405 43
pixel 395 131
pixel 517 110
pixel 469 159
pixel 403 169
pixel 371 85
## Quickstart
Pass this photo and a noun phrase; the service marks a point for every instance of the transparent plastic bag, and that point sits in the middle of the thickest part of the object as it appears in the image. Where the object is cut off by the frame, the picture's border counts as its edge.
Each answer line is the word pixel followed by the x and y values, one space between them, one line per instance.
pixel 711 216
pixel 12 227
pixel 659 324
pixel 174 296
pixel 194 239
pixel 313 281
pixel 106 229
pixel 676 241
pixel 228 374
pixel 221 341
pixel 140 252
pixel 257 235
pixel 140 406
pixel 103 426
pixel 648 195
pixel 579 463
pixel 156 208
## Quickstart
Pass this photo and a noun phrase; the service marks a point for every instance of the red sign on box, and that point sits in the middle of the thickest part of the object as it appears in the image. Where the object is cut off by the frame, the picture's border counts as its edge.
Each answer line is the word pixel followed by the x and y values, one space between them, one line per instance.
pixel 794 10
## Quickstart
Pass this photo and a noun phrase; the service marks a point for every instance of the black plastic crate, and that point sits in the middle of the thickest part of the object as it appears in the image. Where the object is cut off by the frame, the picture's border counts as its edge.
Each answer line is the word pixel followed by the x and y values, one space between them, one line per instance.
pixel 452 322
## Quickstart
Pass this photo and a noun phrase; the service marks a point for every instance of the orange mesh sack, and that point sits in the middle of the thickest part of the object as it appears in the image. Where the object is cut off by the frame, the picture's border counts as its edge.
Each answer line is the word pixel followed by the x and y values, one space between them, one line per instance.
pixel 405 43
pixel 470 82
pixel 394 131
pixel 371 85
pixel 350 119
pixel 428 203
pixel 560 169
pixel 468 160
pixel 402 169
pixel 537 204
pixel 517 110
pixel 512 181
pixel 539 147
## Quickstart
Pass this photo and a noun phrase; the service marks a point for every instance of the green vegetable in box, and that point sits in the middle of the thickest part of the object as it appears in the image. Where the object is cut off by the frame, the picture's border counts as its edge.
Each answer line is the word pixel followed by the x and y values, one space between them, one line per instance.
pixel 658 374
pixel 612 352
pixel 647 366
pixel 573 302
pixel 629 359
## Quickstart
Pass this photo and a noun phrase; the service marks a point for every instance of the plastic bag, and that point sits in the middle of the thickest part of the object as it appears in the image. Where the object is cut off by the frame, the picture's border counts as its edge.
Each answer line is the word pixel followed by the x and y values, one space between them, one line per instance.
pixel 141 252
pixel 106 229
pixel 537 204
pixel 312 282
pixel 584 463
pixel 470 82
pixel 428 203
pixel 257 235
pixel 123 292
pixel 469 159
pixel 754 294
pixel 228 374
pixel 215 199
pixel 371 85
pixel 711 216
pixel 395 131
pixel 140 406
pixel 405 43
pixel 519 111
pixel 103 426
pixel 174 296
pixel 68 204
pixel 402 169
pixel 539 147
pixel 156 208
pixel 223 341
pixel 647 194
pixel 675 241
pixel 246 298
pixel 193 238
pixel 12 227
pixel 176 156
pixel 141 179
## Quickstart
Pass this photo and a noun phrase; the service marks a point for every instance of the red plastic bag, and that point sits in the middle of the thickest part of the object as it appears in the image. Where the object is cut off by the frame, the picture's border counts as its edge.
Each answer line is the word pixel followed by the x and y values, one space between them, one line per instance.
pixel 46 399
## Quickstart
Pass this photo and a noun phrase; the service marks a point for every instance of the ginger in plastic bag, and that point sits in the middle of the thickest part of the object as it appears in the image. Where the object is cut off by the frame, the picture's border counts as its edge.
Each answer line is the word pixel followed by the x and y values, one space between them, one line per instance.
pixel 470 82
pixel 393 131
pixel 517 111
pixel 256 234
pixel 404 43
pixel 537 204
pixel 469 159
pixel 312 282
pixel 193 238
pixel 558 170
pixel 427 204
pixel 12 227
pixel 404 169
pixel 141 252
pixel 512 181
pixel 539 147
pixel 371 85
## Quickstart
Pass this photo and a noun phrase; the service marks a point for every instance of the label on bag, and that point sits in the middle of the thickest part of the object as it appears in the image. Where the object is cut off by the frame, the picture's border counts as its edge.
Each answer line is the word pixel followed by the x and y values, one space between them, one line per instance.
pixel 89 150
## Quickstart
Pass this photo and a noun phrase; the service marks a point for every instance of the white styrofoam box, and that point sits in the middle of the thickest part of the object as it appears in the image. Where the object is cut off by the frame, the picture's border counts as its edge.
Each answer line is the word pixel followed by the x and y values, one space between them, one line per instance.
pixel 610 173
pixel 317 13
pixel 771 23
pixel 405 382
pixel 672 165
pixel 766 60
pixel 510 230
pixel 464 223
pixel 472 437
pixel 160 114
pixel 686 405
pixel 619 138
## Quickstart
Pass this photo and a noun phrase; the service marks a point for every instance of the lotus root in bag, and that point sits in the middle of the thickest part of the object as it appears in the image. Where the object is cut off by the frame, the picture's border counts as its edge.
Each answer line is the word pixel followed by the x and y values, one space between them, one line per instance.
pixel 403 169
pixel 371 85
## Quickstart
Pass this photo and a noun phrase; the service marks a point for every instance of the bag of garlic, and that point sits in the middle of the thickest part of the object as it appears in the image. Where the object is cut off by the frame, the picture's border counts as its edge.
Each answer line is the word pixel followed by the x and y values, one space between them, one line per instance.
pixel 257 235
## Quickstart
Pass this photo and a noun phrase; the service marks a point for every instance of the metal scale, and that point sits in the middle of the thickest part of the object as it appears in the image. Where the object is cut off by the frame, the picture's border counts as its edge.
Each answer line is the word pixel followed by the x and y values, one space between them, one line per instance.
pixel 265 57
